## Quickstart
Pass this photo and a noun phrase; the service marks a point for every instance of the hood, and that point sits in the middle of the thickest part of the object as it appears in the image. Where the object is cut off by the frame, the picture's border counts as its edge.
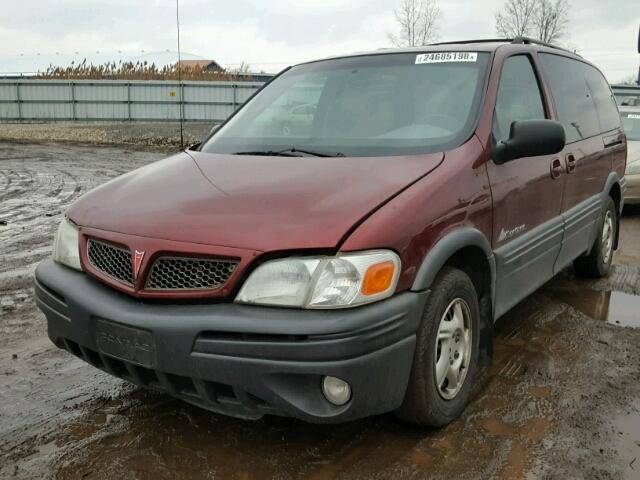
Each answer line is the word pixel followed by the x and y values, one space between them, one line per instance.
pixel 258 203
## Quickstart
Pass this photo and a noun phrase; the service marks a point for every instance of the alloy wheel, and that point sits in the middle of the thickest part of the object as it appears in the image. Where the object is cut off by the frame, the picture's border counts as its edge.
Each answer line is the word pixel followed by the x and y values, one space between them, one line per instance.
pixel 453 348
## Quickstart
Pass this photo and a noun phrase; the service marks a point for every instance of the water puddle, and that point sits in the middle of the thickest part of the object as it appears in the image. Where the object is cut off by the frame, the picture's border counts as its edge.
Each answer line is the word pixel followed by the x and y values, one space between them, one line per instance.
pixel 616 308
pixel 628 441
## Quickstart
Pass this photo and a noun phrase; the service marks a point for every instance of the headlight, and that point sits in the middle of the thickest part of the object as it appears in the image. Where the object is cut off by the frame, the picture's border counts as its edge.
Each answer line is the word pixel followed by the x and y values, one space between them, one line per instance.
pixel 66 247
pixel 346 280
pixel 633 168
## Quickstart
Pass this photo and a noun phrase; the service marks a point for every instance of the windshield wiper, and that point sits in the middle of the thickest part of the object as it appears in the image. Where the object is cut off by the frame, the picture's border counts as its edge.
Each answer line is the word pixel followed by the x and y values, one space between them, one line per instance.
pixel 315 153
pixel 291 152
pixel 268 153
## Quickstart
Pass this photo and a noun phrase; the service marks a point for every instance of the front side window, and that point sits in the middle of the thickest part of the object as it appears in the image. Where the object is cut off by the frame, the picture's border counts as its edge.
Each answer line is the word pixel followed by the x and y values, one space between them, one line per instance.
pixel 388 104
pixel 573 98
pixel 519 96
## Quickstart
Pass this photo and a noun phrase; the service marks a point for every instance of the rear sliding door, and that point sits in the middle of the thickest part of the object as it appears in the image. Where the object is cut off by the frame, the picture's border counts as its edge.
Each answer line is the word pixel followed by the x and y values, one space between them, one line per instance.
pixel 586 108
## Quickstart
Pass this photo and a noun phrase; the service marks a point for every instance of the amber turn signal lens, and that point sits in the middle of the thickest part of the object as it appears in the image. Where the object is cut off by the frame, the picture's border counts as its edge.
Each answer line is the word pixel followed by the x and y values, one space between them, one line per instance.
pixel 378 278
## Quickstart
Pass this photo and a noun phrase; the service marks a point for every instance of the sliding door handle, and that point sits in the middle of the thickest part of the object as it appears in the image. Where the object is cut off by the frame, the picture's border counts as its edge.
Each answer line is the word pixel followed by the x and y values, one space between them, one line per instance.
pixel 556 168
pixel 571 162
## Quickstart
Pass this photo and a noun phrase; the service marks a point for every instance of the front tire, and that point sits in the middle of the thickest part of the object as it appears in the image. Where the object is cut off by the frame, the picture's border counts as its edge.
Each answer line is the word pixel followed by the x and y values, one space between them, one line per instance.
pixel 446 357
pixel 598 263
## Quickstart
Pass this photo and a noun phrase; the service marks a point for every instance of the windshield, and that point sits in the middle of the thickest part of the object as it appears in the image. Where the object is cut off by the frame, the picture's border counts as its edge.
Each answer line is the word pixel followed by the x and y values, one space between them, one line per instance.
pixel 375 105
pixel 631 124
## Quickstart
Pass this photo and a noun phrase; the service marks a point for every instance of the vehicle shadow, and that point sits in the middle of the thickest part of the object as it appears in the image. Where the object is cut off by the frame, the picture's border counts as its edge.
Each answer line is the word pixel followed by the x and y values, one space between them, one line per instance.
pixel 148 435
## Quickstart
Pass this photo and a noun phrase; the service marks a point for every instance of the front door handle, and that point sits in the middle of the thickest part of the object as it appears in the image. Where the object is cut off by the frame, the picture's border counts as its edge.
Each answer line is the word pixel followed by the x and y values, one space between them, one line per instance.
pixel 571 162
pixel 556 168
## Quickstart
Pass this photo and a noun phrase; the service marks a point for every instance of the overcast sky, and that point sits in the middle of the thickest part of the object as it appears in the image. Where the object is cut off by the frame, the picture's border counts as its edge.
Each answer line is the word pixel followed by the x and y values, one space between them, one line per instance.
pixel 271 34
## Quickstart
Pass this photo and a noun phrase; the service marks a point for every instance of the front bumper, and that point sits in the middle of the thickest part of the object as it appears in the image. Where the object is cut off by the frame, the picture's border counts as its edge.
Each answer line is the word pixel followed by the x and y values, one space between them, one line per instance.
pixel 632 192
pixel 244 361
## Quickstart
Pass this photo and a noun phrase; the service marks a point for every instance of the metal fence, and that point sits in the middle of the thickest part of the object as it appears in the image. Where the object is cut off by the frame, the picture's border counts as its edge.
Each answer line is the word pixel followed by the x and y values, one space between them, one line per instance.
pixel 23 100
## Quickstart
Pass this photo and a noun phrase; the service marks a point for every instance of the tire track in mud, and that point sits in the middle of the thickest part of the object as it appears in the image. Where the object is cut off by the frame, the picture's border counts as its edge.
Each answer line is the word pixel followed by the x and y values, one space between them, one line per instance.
pixel 37 183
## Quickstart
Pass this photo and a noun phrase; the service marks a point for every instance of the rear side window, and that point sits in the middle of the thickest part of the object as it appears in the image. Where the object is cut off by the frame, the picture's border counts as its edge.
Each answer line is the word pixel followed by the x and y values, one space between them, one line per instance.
pixel 519 96
pixel 603 98
pixel 573 99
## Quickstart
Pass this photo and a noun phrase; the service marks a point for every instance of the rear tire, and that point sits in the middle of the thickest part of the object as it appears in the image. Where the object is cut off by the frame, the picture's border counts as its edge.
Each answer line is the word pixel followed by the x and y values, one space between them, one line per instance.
pixel 598 263
pixel 446 357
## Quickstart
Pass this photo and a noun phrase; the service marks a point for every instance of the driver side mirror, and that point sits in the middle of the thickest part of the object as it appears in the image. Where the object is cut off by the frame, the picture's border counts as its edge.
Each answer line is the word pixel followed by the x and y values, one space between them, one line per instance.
pixel 530 138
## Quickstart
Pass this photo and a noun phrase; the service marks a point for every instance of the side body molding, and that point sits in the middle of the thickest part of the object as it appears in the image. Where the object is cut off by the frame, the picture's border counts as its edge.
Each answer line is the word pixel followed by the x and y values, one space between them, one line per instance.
pixel 445 248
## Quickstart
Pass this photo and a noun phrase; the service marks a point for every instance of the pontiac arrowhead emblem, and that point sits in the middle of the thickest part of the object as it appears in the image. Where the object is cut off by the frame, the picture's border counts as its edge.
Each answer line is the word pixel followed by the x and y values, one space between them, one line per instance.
pixel 137 262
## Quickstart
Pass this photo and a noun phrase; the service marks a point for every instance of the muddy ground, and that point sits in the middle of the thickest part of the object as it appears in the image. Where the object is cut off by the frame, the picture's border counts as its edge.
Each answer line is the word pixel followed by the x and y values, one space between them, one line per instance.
pixel 562 399
pixel 154 134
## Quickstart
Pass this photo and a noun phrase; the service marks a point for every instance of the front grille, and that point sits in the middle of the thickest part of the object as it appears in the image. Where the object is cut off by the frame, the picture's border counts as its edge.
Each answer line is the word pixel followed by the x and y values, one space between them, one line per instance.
pixel 182 273
pixel 111 260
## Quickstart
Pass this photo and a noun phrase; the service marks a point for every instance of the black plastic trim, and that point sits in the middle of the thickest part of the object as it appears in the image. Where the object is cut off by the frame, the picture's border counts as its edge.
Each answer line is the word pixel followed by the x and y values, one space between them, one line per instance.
pixel 371 347
pixel 525 263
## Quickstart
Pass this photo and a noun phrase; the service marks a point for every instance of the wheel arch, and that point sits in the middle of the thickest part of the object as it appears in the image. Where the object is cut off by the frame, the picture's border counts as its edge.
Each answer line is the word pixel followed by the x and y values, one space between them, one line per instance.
pixel 613 189
pixel 468 250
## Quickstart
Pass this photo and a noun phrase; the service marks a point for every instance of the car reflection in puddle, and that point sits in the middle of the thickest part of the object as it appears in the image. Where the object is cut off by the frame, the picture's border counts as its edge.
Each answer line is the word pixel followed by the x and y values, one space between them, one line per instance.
pixel 616 308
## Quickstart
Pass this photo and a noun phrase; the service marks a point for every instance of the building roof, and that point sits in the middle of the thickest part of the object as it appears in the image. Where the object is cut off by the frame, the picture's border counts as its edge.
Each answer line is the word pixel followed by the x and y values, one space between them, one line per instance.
pixel 204 64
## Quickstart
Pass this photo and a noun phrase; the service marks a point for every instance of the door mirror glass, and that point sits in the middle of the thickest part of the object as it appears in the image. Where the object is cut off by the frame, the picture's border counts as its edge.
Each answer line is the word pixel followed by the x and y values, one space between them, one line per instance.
pixel 530 138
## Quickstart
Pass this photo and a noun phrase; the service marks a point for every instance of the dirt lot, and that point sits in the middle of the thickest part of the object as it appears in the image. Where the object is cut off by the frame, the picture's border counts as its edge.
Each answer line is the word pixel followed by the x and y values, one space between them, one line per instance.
pixel 156 134
pixel 562 399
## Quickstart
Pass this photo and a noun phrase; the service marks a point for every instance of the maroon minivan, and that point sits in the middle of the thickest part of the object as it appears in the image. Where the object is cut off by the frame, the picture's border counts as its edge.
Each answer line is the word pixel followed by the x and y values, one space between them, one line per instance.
pixel 343 244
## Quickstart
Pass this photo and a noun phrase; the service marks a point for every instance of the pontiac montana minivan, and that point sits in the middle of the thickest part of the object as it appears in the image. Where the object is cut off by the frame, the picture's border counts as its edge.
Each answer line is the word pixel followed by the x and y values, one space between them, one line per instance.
pixel 343 244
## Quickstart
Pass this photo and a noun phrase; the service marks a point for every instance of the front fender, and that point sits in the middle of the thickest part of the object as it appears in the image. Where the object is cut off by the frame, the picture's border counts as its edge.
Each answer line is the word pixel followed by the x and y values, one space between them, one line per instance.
pixel 445 248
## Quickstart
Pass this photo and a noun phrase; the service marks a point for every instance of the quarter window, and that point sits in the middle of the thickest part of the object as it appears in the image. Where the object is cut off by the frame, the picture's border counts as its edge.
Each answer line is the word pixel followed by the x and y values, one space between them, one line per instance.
pixel 603 98
pixel 518 96
pixel 573 99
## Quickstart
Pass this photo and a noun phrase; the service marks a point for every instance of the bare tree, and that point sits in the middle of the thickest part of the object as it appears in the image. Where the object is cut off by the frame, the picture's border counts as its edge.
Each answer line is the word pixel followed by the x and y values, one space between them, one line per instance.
pixel 516 18
pixel 544 19
pixel 551 20
pixel 418 22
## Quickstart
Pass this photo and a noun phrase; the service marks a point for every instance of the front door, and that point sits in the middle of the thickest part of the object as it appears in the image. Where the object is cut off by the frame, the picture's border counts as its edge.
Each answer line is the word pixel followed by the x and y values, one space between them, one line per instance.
pixel 527 193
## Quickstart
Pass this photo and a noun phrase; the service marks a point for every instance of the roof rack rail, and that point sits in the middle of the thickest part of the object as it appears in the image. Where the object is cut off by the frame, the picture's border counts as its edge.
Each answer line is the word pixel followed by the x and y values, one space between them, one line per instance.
pixel 481 40
pixel 514 41
pixel 533 41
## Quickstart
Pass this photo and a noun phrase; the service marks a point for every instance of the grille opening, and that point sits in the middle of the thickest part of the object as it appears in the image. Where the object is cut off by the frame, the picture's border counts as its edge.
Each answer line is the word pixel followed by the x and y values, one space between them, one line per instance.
pixel 181 384
pixel 111 260
pixel 92 357
pixel 116 366
pixel 189 273
pixel 253 337
pixel 72 347
pixel 217 390
pixel 143 375
pixel 219 394
pixel 256 400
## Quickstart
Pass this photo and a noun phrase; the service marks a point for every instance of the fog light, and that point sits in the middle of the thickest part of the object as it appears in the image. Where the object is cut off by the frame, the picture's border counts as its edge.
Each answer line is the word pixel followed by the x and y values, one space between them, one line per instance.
pixel 335 390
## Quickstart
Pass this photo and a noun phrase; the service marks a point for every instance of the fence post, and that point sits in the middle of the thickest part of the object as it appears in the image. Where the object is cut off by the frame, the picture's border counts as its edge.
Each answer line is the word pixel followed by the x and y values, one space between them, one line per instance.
pixel 182 100
pixel 129 101
pixel 18 101
pixel 235 88
pixel 73 99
